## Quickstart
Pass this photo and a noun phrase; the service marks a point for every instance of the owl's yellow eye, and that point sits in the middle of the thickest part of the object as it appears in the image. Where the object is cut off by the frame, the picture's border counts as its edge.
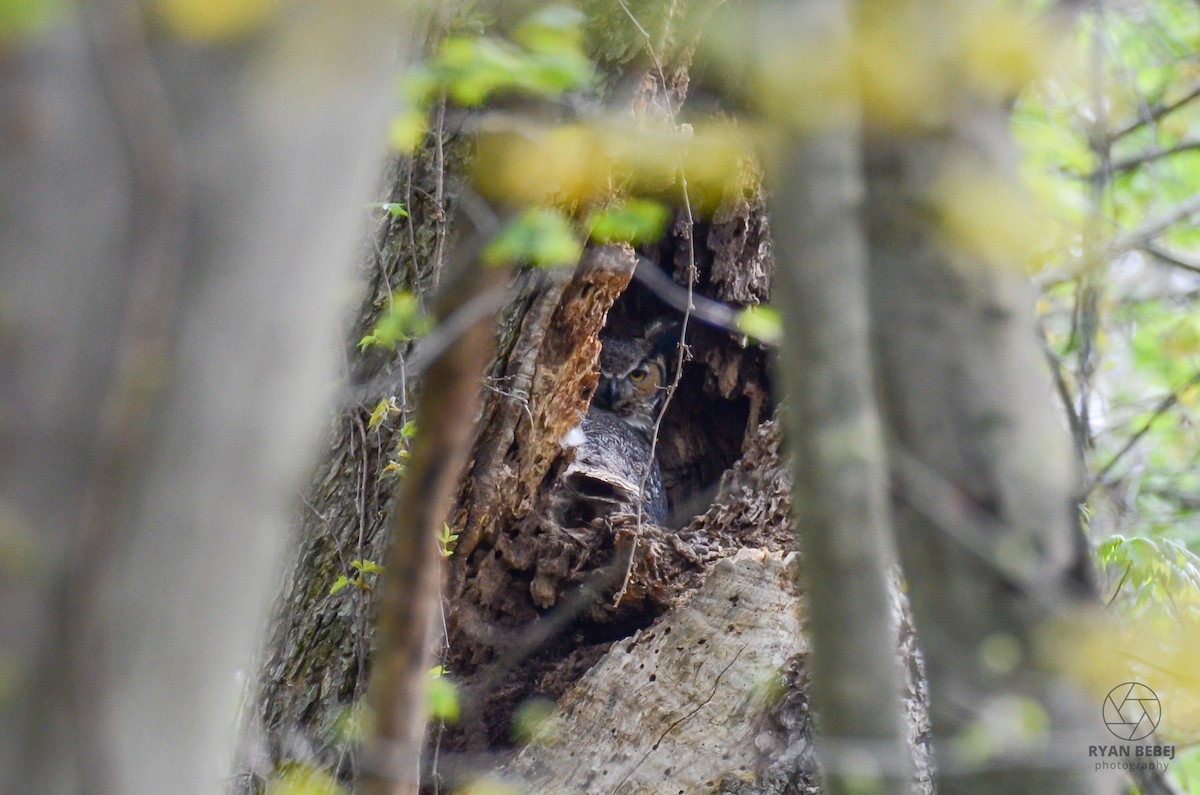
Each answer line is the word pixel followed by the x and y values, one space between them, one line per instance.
pixel 638 375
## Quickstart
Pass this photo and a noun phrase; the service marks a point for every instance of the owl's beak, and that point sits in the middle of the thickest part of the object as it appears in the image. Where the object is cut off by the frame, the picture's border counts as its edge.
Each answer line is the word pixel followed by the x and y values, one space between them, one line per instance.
pixel 609 392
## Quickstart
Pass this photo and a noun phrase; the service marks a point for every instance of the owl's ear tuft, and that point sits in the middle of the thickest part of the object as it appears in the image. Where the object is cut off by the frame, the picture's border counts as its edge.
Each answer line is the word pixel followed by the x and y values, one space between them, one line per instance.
pixel 664 335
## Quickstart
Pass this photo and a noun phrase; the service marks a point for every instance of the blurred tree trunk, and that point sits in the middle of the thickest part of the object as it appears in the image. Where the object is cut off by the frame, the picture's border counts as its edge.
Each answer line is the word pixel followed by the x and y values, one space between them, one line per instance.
pixel 839 464
pixel 180 190
pixel 313 670
pixel 983 472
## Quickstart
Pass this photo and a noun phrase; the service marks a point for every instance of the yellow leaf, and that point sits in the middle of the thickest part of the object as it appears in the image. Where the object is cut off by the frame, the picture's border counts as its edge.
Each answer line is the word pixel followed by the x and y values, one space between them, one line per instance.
pixel 378 415
pixel 304 780
pixel 901 67
pixel 1001 51
pixel 215 21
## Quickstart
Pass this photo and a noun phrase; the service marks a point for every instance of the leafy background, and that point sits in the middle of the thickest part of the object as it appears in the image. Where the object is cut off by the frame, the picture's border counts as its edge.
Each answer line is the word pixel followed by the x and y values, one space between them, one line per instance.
pixel 1110 145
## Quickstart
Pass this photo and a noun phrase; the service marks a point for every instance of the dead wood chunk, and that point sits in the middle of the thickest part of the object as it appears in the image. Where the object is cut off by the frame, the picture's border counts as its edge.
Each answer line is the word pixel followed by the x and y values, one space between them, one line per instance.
pixel 740 241
pixel 680 704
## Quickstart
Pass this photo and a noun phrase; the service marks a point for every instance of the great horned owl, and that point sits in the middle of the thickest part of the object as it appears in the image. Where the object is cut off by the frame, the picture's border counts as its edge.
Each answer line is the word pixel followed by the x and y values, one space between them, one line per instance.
pixel 612 460
pixel 613 454
pixel 634 373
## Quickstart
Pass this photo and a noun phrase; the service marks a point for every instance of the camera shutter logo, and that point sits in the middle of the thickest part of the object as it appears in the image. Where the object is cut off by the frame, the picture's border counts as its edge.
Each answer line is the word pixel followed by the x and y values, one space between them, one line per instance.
pixel 1132 711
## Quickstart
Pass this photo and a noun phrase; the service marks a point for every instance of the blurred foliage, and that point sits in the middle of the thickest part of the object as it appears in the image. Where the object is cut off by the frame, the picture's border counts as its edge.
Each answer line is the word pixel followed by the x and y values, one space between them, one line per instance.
pixel 760 322
pixel 215 21
pixel 533 721
pixel 542 237
pixel 1110 141
pixel 542 58
pixel 303 780
pixel 402 321
pixel 603 180
pixel 442 695
pixel 572 164
pixel 634 221
pixel 19 18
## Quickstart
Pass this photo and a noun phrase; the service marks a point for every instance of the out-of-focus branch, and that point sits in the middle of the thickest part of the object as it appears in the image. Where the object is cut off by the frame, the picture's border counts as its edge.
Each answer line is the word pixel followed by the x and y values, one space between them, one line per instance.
pixel 1177 259
pixel 1154 114
pixel 1152 227
pixel 1130 163
pixel 411 592
pixel 1164 405
pixel 838 465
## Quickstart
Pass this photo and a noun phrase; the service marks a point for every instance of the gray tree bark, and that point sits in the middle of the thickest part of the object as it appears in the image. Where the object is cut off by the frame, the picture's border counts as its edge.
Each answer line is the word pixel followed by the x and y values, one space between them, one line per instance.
pixel 839 465
pixel 167 273
pixel 983 471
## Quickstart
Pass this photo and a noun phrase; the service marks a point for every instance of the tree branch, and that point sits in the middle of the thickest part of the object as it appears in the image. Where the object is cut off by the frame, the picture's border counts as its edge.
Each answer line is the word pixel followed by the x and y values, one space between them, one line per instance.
pixel 1152 227
pixel 1162 408
pixel 1153 115
pixel 1176 259
pixel 411 590
pixel 1130 163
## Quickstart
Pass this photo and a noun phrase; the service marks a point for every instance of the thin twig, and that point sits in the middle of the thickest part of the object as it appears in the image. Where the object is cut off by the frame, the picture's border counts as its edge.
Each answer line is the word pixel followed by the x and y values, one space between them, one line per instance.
pixel 1064 393
pixel 439 198
pixel 1162 408
pixel 687 310
pixel 1174 258
pixel 1152 227
pixel 1130 163
pixel 1153 115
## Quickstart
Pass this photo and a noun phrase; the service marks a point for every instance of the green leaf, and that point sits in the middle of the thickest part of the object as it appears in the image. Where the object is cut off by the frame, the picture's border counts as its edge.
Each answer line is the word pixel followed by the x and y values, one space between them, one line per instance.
pixel 443 700
pixel 366 566
pixel 539 236
pixel 394 209
pixel 446 539
pixel 761 322
pixel 634 221
pixel 341 582
pixel 401 322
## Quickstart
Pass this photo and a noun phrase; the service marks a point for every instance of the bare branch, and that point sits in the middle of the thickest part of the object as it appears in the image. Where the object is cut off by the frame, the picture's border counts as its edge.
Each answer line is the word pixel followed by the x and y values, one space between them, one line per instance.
pixel 1165 405
pixel 1152 227
pixel 1153 115
pixel 1176 259
pixel 1130 163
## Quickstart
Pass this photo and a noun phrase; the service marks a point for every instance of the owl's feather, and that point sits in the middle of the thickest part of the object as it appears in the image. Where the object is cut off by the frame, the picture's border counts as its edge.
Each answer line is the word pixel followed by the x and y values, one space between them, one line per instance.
pixel 614 469
pixel 634 373
pixel 611 463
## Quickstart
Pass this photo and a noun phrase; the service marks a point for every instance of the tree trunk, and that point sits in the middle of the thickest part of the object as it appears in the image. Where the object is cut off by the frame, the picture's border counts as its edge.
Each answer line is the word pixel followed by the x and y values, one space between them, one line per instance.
pixel 839 464
pixel 162 369
pixel 991 550
pixel 314 669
